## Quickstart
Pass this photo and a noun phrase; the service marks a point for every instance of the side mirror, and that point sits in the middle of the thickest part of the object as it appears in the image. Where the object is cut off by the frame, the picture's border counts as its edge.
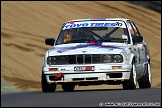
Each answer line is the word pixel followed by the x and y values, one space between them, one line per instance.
pixel 49 41
pixel 137 39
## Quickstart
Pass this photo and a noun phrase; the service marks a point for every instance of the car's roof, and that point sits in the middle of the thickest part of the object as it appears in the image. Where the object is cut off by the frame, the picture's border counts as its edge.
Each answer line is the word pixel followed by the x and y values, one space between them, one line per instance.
pixel 103 19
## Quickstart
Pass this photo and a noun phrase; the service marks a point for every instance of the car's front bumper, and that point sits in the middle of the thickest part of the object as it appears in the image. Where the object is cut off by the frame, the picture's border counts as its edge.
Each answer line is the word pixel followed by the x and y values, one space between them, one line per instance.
pixel 101 73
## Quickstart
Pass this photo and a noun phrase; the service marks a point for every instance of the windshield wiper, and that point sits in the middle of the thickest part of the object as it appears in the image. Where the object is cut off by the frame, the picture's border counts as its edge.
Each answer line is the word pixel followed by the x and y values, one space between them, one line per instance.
pixel 112 40
pixel 78 40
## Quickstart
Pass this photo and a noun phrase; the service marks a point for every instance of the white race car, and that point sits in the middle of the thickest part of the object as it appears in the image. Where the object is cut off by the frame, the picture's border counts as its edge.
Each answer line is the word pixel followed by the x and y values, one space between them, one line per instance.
pixel 94 52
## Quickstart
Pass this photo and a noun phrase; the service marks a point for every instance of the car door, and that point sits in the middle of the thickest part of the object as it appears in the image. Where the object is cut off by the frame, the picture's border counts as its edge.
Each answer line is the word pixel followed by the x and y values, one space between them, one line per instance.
pixel 136 48
pixel 140 50
pixel 140 46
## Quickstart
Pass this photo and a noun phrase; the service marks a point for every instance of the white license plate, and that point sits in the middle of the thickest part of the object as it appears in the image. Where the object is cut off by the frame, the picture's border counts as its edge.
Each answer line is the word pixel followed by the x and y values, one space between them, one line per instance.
pixel 84 68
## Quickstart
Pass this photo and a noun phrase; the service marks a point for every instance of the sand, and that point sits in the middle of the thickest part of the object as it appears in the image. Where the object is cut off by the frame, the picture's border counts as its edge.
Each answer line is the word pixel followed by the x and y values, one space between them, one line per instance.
pixel 26 24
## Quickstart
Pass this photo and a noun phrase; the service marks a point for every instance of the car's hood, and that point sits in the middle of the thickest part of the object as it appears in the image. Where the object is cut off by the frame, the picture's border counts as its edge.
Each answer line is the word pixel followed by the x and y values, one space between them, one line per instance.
pixel 88 48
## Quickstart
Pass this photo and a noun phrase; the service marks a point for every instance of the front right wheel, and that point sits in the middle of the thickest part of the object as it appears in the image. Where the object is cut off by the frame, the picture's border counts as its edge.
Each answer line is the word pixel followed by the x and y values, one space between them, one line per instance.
pixel 45 86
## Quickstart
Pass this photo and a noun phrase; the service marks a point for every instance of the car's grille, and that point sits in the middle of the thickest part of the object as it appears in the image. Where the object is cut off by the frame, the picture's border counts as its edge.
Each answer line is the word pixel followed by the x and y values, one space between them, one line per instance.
pixel 84 59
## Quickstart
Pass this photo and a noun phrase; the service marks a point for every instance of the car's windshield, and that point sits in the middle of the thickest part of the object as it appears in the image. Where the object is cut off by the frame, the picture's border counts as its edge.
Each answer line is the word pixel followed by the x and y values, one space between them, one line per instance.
pixel 73 34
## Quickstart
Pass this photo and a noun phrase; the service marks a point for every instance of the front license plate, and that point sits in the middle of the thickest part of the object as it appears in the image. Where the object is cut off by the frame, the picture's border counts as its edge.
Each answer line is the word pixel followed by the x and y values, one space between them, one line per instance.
pixel 84 68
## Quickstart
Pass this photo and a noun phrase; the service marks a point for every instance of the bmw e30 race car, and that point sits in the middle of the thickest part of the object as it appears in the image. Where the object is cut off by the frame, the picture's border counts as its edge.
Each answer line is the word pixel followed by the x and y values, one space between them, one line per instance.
pixel 94 52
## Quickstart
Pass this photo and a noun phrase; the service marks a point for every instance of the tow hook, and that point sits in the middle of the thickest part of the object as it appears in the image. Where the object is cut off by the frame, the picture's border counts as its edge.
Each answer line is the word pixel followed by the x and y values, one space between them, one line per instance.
pixel 59 76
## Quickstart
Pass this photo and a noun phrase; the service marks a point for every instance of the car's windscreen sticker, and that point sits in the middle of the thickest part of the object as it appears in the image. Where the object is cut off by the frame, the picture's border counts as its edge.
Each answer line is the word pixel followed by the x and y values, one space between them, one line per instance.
pixel 95 24
pixel 90 45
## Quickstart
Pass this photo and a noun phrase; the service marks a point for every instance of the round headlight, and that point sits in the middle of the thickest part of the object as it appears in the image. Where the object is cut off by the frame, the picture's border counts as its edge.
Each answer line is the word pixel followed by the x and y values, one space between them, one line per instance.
pixel 51 60
pixel 118 58
pixel 106 59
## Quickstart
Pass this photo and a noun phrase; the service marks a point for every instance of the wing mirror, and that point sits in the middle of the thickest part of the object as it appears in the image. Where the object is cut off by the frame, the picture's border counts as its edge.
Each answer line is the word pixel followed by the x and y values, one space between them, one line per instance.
pixel 49 41
pixel 137 39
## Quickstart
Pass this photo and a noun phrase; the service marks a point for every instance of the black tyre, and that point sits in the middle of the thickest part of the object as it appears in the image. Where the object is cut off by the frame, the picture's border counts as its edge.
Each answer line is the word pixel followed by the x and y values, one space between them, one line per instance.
pixel 47 87
pixel 68 86
pixel 132 82
pixel 145 81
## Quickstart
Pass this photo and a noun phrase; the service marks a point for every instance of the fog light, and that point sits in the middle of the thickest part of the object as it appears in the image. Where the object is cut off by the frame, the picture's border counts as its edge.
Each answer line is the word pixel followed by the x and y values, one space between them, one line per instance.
pixel 53 69
pixel 116 67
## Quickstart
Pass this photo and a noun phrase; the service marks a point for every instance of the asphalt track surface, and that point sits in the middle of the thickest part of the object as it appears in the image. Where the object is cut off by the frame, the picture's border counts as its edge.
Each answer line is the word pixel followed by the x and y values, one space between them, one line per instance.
pixel 83 98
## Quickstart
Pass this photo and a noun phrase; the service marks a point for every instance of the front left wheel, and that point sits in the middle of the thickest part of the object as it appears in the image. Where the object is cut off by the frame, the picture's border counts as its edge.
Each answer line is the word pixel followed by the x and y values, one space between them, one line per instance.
pixel 131 83
pixel 145 81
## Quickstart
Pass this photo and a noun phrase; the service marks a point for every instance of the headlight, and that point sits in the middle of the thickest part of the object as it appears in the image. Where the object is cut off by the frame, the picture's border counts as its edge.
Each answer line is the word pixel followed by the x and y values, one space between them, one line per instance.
pixel 57 60
pixel 118 58
pixel 112 58
pixel 106 59
pixel 51 60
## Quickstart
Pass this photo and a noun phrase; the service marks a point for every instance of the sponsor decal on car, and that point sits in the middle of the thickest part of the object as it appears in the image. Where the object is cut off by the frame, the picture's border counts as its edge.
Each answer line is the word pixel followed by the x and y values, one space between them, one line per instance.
pixel 94 24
